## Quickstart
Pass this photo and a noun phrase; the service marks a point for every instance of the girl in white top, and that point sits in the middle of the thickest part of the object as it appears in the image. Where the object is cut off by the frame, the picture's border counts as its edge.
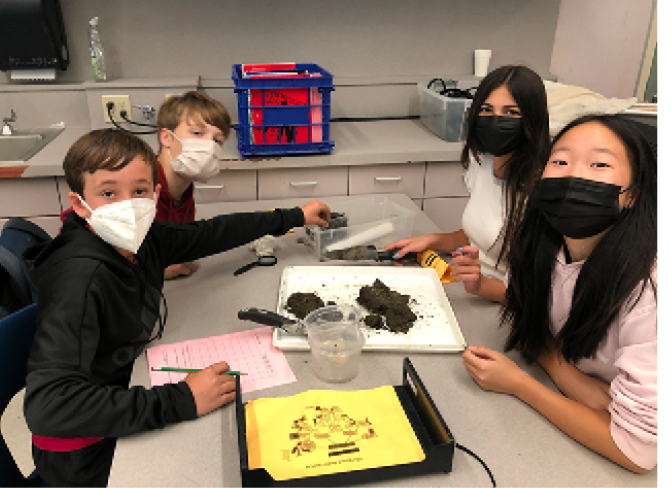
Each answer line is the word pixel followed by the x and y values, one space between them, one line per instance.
pixel 484 217
pixel 507 141
pixel 582 293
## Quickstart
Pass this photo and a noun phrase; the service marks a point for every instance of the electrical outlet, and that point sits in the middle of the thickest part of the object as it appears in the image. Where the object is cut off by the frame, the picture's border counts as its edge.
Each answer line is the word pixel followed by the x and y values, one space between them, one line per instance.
pixel 121 102
pixel 170 95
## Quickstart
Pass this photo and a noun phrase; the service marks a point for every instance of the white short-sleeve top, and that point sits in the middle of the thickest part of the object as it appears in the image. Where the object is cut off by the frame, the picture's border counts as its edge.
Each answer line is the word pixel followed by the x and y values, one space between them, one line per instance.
pixel 484 215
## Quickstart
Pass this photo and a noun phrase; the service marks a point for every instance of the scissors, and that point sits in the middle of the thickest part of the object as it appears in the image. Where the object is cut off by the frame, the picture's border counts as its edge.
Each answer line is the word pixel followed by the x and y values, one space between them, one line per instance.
pixel 266 260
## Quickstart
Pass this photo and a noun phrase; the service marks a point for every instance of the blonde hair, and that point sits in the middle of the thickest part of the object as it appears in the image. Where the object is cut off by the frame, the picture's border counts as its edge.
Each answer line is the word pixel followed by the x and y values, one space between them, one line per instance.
pixel 189 105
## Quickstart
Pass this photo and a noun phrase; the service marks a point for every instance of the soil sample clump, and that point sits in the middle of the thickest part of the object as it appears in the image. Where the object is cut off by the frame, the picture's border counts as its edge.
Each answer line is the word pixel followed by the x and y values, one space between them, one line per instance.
pixel 374 321
pixel 356 253
pixel 337 221
pixel 381 300
pixel 399 317
pixel 301 304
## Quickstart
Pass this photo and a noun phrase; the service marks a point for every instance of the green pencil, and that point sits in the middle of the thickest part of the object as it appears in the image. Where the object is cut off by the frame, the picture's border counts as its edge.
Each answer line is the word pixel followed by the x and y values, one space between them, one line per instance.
pixel 190 370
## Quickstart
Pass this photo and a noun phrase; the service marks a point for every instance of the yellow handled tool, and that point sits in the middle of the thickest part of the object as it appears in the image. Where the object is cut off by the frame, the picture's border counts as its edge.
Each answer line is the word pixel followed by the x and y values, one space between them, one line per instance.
pixel 429 259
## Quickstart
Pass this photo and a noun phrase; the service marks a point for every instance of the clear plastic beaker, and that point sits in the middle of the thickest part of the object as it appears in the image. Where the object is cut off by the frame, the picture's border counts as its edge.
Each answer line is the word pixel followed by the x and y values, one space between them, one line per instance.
pixel 335 342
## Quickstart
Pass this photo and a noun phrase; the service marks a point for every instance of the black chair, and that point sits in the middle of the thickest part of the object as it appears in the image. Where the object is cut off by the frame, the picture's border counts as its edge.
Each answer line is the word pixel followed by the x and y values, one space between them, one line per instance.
pixel 16 338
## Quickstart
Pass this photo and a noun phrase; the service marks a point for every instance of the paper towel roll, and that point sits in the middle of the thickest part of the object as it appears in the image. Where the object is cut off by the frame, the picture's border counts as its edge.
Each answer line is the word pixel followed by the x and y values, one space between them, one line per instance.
pixel 48 74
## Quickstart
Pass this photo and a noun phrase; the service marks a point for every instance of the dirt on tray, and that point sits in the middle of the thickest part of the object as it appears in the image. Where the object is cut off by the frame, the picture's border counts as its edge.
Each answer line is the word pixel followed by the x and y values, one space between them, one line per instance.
pixel 388 309
pixel 382 301
pixel 301 304
pixel 356 253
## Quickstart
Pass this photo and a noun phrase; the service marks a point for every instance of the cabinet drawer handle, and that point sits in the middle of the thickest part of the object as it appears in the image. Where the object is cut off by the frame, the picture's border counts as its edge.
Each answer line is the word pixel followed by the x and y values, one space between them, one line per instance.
pixel 388 178
pixel 209 187
pixel 303 183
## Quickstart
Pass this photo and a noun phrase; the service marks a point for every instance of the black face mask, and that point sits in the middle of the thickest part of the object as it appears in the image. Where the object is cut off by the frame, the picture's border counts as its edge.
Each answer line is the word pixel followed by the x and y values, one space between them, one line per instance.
pixel 498 135
pixel 575 207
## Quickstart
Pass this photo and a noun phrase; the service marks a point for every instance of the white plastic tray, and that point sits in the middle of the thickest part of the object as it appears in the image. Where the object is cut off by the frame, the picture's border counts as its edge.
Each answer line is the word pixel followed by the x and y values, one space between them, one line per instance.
pixel 435 330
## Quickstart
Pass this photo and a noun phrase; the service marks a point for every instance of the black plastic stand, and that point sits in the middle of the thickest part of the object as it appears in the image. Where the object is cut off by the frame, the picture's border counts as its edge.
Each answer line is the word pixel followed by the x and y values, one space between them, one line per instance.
pixel 430 428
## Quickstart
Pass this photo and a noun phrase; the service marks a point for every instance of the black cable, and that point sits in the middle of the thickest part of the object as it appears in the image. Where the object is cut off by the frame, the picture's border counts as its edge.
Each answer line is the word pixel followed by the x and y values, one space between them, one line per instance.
pixel 434 80
pixel 457 93
pixel 453 92
pixel 123 116
pixel 468 451
pixel 109 113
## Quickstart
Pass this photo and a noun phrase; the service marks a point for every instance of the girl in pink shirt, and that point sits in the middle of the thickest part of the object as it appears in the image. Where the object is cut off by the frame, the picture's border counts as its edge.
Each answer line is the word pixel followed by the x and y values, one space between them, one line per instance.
pixel 582 293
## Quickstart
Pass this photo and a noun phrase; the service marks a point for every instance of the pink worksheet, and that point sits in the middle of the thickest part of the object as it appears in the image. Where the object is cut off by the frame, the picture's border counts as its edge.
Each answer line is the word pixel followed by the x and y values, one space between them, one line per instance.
pixel 250 351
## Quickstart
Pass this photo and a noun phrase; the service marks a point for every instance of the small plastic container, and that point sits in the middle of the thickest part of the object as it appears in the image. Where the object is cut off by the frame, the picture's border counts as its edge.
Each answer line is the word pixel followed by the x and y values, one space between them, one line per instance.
pixel 442 115
pixel 371 220
pixel 335 341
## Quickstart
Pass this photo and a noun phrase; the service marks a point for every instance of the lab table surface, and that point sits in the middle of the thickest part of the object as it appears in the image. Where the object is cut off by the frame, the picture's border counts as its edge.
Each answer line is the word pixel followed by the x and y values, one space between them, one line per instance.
pixel 518 444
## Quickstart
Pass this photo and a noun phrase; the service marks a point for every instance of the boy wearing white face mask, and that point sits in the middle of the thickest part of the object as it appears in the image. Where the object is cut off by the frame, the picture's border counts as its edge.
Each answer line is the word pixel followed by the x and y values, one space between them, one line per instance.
pixel 99 285
pixel 192 127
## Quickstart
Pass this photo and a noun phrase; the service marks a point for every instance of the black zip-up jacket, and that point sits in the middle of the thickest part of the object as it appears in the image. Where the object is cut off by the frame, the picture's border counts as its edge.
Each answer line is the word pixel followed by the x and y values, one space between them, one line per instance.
pixel 97 311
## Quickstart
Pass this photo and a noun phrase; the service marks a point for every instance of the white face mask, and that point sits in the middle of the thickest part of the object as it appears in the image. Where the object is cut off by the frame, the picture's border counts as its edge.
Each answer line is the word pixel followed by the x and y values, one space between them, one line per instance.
pixel 199 160
pixel 123 224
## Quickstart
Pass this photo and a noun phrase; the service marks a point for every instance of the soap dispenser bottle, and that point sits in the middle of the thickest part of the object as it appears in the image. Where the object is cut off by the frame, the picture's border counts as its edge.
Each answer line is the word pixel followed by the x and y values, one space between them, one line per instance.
pixel 97 51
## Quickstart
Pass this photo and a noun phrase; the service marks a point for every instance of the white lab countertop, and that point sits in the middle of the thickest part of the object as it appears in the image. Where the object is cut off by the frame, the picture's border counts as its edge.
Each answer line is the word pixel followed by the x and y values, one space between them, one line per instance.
pixel 519 445
pixel 356 143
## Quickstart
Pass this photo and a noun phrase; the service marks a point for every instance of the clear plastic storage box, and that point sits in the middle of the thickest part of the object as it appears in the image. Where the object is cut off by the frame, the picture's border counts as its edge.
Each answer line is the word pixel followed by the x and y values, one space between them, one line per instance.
pixel 371 220
pixel 444 116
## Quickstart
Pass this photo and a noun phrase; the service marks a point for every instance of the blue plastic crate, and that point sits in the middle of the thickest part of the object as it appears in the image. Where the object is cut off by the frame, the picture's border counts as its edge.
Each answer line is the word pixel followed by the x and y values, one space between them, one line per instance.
pixel 286 111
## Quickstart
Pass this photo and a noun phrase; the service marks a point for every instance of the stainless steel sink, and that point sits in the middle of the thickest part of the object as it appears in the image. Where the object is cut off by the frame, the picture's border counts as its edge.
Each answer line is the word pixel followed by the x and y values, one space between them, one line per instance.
pixel 24 144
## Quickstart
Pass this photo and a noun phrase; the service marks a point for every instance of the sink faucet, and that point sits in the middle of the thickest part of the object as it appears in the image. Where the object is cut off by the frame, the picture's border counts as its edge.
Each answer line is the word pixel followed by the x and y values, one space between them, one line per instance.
pixel 6 128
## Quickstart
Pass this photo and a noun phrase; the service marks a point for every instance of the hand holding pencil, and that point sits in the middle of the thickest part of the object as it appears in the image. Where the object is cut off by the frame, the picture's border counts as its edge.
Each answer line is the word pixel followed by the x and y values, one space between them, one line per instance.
pixel 212 387
pixel 170 369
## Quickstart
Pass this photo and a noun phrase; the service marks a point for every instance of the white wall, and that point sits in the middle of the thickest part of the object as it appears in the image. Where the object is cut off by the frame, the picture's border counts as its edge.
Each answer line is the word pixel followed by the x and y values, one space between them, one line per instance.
pixel 171 38
pixel 599 44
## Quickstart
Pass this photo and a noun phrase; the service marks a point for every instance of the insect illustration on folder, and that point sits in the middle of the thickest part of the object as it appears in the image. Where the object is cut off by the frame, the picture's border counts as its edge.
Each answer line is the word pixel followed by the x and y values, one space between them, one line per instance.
pixel 327 428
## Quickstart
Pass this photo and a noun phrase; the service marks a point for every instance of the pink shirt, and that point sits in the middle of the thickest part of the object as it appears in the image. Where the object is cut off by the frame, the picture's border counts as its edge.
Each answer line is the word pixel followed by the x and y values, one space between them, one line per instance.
pixel 627 359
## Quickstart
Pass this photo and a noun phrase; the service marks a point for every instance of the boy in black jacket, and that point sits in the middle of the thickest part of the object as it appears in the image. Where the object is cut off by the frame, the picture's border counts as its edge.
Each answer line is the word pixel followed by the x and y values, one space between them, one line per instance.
pixel 99 286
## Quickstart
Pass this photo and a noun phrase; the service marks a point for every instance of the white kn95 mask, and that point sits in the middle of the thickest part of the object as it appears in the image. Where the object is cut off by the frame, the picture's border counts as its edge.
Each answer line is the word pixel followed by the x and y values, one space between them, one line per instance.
pixel 199 160
pixel 123 224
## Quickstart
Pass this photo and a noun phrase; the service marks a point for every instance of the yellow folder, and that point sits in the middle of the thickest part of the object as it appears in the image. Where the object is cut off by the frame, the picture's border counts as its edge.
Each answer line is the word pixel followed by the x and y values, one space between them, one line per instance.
pixel 322 432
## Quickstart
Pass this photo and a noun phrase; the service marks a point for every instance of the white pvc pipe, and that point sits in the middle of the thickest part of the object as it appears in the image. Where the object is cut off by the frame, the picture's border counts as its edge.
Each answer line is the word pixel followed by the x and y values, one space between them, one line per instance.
pixel 364 237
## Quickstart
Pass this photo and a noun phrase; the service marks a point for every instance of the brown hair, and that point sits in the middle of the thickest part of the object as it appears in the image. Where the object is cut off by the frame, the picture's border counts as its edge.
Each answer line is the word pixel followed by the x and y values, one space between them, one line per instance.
pixel 109 149
pixel 189 104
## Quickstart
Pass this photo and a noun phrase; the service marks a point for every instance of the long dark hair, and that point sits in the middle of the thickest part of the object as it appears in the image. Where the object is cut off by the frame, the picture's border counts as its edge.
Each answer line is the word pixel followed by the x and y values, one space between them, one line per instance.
pixel 521 170
pixel 621 262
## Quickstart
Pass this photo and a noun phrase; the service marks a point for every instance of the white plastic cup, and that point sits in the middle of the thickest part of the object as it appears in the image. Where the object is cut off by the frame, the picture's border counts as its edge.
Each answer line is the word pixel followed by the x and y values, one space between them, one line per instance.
pixel 481 61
